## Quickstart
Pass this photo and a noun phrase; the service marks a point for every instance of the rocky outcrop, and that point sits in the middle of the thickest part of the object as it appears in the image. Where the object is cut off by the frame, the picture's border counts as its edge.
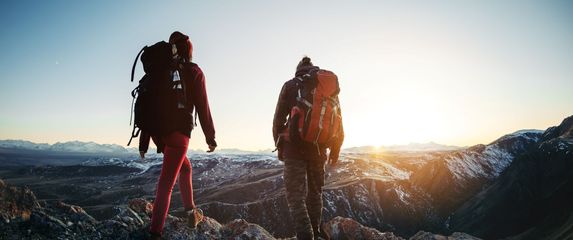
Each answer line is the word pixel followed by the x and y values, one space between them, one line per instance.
pixel 26 218
pixel 23 217
pixel 430 236
pixel 346 228
pixel 17 203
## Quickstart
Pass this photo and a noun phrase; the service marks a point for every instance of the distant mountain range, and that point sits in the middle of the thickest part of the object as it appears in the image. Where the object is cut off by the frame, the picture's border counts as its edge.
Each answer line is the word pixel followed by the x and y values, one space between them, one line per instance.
pixel 71 146
pixel 92 147
pixel 411 147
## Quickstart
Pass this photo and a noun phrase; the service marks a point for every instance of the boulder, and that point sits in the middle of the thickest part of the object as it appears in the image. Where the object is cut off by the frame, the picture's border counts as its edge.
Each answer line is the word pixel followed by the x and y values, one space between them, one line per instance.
pixel 346 228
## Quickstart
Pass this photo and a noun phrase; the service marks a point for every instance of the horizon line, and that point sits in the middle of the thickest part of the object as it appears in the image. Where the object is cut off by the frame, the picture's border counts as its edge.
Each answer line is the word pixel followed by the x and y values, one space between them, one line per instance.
pixel 271 149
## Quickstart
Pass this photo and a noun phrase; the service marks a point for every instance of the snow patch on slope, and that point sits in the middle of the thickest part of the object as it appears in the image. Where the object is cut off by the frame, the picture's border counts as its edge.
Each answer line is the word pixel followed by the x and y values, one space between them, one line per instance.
pixel 494 158
pixel 526 134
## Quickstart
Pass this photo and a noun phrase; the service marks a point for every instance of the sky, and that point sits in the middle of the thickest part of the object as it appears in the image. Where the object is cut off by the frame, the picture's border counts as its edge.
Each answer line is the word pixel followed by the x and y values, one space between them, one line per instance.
pixel 452 72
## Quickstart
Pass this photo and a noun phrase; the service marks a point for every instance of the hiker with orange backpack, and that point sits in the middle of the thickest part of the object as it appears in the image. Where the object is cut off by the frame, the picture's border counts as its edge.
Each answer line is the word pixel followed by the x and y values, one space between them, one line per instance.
pixel 306 123
pixel 171 89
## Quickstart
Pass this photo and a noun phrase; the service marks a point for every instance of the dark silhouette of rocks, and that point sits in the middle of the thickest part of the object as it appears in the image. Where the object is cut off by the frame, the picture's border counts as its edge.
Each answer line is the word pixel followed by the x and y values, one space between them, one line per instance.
pixel 532 199
pixel 346 228
pixel 23 217
pixel 340 228
pixel 430 236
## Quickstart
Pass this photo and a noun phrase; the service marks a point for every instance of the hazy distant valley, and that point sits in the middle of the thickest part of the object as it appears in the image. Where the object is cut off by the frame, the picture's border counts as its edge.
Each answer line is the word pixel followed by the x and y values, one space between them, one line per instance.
pixel 517 186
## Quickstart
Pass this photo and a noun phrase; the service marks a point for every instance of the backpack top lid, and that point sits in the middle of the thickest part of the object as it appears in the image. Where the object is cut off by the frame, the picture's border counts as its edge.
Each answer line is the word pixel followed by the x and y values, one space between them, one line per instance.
pixel 326 83
pixel 157 57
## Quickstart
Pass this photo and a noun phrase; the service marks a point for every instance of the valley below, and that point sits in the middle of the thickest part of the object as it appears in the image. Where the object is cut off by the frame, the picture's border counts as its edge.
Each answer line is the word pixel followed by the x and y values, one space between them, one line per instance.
pixel 517 187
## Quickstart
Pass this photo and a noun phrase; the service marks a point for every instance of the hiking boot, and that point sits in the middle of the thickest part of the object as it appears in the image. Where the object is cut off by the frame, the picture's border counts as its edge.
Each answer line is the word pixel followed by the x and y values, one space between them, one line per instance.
pixel 194 217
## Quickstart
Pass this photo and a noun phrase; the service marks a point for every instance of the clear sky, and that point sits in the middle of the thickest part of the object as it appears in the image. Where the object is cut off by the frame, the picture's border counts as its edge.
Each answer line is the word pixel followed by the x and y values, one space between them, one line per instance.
pixel 453 72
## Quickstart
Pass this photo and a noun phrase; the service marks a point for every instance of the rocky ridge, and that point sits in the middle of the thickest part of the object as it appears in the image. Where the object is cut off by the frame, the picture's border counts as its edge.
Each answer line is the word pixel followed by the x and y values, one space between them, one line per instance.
pixel 22 216
pixel 532 198
pixel 394 192
pixel 524 175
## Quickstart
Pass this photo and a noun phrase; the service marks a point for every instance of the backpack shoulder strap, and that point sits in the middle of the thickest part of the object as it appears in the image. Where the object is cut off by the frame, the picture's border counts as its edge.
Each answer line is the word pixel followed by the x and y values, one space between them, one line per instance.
pixel 299 84
pixel 135 62
pixel 188 66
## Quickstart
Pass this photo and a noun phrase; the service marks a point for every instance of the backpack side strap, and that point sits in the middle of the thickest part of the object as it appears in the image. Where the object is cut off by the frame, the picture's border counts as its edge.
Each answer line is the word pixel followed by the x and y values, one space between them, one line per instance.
pixel 134 134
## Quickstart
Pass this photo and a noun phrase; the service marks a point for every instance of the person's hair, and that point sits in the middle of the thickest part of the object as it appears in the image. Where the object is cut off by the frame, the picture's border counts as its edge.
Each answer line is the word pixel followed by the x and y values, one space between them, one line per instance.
pixel 183 44
pixel 303 66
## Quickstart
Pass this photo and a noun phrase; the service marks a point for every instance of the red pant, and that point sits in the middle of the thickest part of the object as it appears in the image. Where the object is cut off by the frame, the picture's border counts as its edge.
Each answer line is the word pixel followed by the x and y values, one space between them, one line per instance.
pixel 175 163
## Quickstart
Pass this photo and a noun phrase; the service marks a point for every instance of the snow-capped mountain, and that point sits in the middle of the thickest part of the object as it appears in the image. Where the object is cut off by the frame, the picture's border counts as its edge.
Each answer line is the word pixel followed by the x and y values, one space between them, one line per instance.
pixel 90 147
pixel 450 178
pixel 70 146
pixel 532 198
pixel 490 160
pixel 21 144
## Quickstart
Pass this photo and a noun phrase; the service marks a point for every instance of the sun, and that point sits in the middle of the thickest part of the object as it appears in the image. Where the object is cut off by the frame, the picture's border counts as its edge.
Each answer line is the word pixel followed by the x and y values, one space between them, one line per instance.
pixel 402 119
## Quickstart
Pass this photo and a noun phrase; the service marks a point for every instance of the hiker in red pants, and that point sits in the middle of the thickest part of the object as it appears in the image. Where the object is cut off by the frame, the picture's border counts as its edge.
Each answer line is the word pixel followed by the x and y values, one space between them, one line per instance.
pixel 175 139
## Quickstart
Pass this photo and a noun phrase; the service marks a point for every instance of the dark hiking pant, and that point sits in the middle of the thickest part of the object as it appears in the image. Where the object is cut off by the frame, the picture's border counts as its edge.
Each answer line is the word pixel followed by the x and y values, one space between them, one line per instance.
pixel 304 179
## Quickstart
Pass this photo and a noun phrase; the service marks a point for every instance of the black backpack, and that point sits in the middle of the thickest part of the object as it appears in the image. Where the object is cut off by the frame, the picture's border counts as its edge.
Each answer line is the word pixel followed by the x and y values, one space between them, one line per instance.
pixel 160 96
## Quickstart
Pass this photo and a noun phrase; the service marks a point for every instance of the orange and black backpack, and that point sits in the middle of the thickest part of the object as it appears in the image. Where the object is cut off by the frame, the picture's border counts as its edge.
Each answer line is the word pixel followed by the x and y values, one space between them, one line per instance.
pixel 316 118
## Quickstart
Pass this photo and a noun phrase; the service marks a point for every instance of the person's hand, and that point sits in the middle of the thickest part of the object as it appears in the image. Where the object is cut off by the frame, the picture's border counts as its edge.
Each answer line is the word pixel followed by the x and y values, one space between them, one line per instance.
pixel 211 148
pixel 332 159
pixel 212 145
pixel 142 154
pixel 280 154
pixel 332 163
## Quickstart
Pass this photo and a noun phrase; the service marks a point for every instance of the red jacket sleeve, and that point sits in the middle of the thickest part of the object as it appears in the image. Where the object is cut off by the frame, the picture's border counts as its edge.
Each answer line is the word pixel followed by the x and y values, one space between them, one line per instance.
pixel 201 103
